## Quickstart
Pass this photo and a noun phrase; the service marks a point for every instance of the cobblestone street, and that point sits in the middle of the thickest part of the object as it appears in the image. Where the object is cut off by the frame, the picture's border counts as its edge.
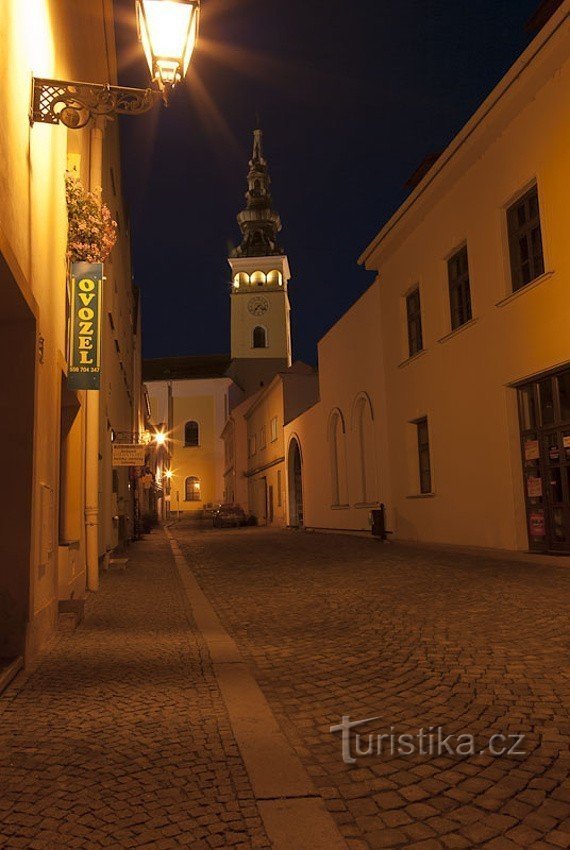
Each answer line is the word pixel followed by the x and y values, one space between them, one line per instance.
pixel 121 737
pixel 336 625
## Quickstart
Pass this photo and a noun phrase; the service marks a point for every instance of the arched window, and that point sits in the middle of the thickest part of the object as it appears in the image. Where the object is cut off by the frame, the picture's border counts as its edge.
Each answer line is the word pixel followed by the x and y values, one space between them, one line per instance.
pixel 241 279
pixel 192 433
pixel 337 443
pixel 363 425
pixel 193 489
pixel 259 337
pixel 275 278
pixel 258 279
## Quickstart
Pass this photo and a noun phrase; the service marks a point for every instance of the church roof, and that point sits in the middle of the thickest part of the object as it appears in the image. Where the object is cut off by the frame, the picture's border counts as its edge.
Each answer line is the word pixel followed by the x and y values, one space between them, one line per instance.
pixel 186 368
pixel 259 223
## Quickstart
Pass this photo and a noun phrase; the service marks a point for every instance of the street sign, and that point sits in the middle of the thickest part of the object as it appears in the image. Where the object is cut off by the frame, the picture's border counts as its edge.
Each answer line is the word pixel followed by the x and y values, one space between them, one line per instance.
pixel 86 291
pixel 128 454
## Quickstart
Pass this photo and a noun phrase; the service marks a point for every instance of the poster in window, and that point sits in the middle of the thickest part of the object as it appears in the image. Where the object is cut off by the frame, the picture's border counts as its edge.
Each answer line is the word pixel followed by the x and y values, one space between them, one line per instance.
pixel 531 450
pixel 534 487
pixel 536 524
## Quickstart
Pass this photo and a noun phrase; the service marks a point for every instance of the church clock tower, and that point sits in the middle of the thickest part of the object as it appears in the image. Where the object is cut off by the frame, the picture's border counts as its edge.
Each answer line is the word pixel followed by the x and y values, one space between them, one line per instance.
pixel 260 326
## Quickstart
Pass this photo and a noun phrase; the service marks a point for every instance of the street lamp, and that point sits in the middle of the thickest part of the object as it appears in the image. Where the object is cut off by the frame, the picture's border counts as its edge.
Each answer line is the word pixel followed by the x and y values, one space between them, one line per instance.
pixel 168 30
pixel 160 438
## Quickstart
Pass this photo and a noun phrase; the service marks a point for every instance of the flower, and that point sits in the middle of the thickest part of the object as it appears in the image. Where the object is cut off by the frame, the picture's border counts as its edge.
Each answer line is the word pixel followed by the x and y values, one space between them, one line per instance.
pixel 92 233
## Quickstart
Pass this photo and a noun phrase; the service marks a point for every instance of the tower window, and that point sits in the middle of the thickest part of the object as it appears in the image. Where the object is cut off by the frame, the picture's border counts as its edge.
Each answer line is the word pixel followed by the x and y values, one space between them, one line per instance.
pixel 192 434
pixel 241 279
pixel 193 489
pixel 258 279
pixel 259 337
pixel 275 278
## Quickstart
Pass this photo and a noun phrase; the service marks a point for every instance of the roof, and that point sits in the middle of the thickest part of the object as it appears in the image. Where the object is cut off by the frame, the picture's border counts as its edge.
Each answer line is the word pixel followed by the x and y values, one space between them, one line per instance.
pixel 186 368
pixel 555 22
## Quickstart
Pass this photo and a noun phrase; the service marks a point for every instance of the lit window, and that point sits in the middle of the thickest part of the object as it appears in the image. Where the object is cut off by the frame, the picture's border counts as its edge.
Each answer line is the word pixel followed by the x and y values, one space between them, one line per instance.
pixel 275 278
pixel 241 279
pixel 193 489
pixel 258 279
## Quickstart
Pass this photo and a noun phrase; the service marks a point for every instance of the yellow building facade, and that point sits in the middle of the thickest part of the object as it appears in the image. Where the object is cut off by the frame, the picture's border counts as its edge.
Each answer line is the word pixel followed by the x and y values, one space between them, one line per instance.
pixel 444 390
pixel 44 524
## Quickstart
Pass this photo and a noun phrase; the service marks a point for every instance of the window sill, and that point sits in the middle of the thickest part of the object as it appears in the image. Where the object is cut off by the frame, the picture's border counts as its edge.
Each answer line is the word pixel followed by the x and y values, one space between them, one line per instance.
pixel 526 288
pixel 367 505
pixel 193 447
pixel 422 496
pixel 412 359
pixel 339 507
pixel 458 330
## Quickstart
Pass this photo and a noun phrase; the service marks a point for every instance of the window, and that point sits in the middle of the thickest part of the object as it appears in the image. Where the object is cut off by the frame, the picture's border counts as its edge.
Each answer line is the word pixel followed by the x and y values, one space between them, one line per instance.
pixel 424 457
pixel 259 337
pixel 262 438
pixel 193 489
pixel 258 279
pixel 525 239
pixel 459 288
pixel 273 429
pixel 192 434
pixel 252 446
pixel 279 489
pixel 414 314
pixel 275 278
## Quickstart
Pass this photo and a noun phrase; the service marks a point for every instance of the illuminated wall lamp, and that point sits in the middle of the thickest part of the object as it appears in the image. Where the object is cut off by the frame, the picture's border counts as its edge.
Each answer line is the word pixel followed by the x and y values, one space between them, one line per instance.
pixel 168 30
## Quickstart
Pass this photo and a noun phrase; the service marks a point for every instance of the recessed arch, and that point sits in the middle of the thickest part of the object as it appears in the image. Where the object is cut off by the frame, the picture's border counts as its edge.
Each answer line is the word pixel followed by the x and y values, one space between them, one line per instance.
pixel 241 279
pixel 295 482
pixel 365 448
pixel 338 466
pixel 258 279
pixel 275 278
pixel 259 337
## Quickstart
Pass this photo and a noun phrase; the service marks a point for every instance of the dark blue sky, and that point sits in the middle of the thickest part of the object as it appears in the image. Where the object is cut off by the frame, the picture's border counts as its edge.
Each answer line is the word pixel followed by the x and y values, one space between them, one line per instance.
pixel 351 95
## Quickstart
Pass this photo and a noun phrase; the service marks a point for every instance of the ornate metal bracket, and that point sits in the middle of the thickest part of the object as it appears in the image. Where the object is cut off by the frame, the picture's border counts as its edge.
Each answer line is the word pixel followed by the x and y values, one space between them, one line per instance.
pixel 75 104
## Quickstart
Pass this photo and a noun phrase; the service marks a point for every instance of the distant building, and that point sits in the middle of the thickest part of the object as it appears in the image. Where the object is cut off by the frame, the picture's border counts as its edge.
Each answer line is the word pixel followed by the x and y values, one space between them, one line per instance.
pixel 445 390
pixel 192 397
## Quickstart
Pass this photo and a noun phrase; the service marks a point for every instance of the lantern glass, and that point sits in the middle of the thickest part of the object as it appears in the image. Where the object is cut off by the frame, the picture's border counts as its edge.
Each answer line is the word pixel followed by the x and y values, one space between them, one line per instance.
pixel 168 31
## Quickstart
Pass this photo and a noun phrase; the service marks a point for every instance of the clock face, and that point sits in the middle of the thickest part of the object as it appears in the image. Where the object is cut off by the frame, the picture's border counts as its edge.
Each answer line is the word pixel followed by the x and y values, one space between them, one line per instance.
pixel 258 306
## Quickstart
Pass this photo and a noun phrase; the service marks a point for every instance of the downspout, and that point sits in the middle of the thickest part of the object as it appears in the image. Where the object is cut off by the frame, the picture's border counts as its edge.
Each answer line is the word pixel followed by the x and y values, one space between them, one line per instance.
pixel 92 403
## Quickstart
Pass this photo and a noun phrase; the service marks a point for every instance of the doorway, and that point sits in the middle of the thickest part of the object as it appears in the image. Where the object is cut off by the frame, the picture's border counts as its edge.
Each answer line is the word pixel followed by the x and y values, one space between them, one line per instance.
pixel 295 474
pixel 544 411
pixel 17 403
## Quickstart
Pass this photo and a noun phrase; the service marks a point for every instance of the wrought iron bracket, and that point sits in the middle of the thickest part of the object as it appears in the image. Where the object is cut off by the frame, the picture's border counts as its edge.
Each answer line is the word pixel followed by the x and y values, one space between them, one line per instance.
pixel 75 104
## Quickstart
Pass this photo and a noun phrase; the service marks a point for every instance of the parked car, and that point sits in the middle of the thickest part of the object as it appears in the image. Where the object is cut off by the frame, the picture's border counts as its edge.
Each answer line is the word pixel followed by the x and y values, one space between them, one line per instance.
pixel 229 515
pixel 210 509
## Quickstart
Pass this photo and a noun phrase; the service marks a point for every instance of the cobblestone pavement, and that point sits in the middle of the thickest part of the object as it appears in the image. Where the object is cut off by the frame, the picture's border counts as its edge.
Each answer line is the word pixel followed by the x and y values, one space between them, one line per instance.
pixel 120 738
pixel 336 625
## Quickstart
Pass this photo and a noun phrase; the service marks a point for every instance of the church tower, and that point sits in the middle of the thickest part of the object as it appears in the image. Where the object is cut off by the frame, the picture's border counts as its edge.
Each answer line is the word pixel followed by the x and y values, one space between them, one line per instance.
pixel 260 325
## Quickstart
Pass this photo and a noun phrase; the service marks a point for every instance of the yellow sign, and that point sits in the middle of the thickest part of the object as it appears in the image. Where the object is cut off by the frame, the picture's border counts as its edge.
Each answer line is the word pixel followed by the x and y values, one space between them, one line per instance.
pixel 85 326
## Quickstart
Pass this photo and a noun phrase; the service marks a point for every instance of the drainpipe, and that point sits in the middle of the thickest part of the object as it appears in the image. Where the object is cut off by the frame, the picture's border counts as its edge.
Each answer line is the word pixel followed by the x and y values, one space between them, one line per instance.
pixel 92 407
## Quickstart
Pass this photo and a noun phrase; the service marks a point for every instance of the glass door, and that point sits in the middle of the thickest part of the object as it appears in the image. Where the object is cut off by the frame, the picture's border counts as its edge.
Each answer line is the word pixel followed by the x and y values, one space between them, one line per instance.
pixel 544 408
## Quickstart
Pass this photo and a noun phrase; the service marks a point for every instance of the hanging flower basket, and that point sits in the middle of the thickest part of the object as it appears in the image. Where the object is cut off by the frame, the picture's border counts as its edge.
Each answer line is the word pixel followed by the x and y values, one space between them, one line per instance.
pixel 92 232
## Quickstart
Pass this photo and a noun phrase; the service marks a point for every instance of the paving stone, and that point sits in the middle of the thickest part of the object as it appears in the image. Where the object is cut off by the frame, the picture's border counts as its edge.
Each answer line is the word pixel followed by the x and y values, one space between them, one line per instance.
pixel 335 625
pixel 121 727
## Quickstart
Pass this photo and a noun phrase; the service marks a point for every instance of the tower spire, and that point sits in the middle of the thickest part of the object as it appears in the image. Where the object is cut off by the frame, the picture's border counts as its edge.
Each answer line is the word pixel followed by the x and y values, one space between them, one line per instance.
pixel 259 223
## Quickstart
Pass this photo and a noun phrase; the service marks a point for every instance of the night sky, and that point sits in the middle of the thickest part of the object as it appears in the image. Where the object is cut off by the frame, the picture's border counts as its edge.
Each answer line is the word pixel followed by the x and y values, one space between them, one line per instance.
pixel 351 97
